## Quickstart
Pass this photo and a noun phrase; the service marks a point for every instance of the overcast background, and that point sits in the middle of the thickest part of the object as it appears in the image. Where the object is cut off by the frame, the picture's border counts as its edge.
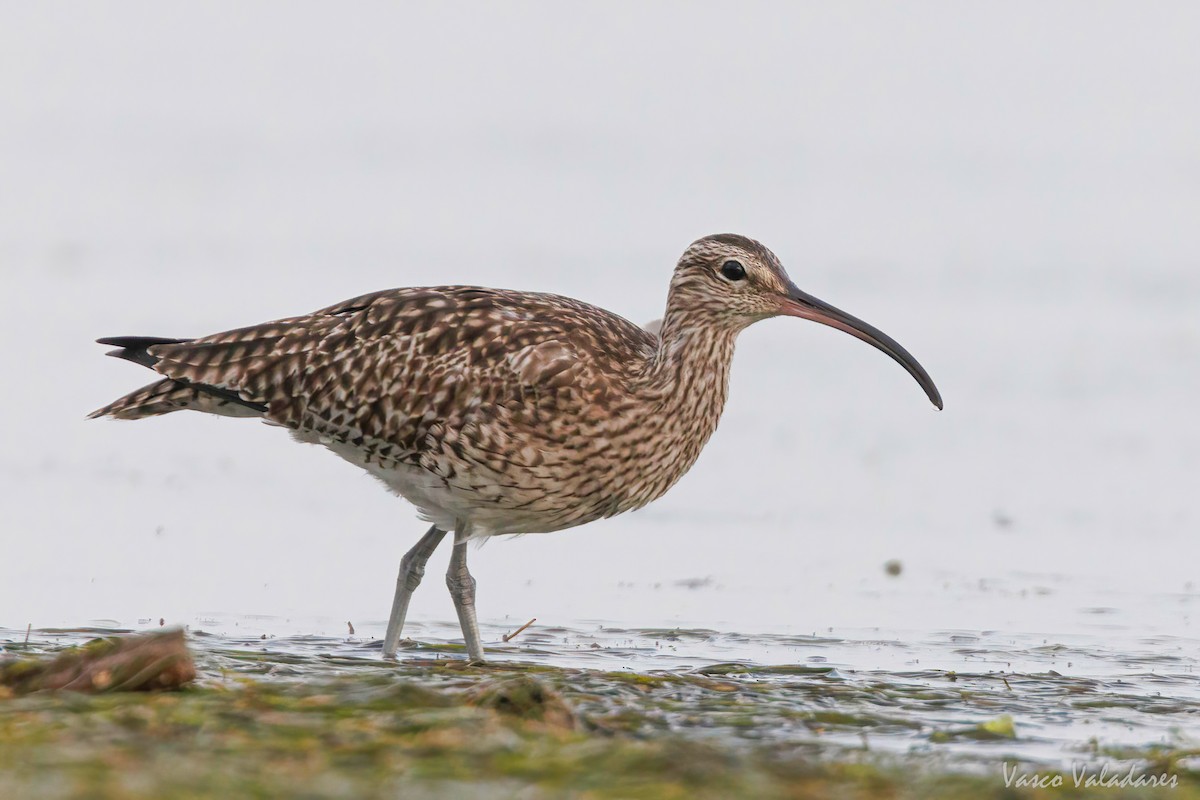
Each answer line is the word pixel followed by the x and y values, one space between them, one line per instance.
pixel 1012 190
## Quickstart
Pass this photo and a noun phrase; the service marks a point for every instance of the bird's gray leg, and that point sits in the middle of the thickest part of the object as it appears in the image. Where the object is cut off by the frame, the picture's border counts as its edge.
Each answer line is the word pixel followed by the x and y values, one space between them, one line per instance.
pixel 412 569
pixel 462 591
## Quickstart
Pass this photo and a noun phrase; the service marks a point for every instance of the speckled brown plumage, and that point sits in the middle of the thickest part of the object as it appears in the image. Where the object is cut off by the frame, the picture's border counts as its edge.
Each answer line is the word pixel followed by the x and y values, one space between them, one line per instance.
pixel 536 411
pixel 497 411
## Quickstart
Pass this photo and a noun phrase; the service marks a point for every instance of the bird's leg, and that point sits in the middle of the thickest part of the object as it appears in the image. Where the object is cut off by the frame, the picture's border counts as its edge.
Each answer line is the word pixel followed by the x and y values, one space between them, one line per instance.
pixel 462 591
pixel 412 569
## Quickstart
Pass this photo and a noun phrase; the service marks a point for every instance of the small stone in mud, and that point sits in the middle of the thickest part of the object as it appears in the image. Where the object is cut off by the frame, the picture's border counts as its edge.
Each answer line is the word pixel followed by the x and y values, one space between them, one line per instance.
pixel 526 698
pixel 893 568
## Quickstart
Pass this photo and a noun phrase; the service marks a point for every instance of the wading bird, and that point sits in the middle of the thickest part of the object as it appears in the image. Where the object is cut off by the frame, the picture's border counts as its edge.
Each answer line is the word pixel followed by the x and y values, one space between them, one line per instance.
pixel 491 411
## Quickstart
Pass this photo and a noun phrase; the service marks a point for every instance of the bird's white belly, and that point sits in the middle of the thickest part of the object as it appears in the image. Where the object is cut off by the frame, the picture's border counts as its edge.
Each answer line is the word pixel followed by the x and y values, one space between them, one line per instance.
pixel 448 508
pixel 432 498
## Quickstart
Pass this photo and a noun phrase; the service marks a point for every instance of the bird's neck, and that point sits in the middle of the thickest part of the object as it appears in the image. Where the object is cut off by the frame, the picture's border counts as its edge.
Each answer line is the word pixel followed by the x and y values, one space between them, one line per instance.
pixel 695 340
pixel 688 376
pixel 680 392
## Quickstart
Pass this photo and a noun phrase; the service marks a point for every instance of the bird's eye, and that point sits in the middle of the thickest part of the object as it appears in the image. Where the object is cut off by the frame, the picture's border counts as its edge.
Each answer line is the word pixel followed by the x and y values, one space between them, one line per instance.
pixel 733 270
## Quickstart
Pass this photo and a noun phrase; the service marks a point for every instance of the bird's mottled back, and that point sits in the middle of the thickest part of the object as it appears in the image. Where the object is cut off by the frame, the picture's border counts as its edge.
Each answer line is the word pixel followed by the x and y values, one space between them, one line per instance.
pixel 435 346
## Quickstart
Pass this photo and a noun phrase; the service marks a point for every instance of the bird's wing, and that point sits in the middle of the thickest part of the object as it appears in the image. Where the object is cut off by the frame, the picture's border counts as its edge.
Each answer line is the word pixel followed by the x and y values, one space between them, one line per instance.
pixel 388 365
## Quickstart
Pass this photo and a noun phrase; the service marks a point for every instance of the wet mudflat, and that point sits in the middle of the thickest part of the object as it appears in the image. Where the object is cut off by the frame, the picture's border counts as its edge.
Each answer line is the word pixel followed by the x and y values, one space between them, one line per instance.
pixel 606 713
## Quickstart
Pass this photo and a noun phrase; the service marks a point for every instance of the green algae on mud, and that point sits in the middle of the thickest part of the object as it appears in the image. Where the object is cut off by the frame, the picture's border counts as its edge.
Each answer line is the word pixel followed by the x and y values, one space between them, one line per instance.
pixel 262 723
pixel 372 734
pixel 379 734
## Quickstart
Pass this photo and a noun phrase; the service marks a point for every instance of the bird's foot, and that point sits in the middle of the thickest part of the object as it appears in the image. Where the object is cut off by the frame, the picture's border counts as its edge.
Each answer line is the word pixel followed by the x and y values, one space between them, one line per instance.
pixel 403 644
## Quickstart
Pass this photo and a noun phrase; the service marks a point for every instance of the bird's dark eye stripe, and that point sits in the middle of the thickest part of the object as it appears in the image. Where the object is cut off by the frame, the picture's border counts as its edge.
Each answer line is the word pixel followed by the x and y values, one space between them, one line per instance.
pixel 733 270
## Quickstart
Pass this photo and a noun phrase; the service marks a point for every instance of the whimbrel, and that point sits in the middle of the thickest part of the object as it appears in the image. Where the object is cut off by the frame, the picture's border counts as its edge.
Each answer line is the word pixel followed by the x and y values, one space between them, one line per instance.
pixel 491 411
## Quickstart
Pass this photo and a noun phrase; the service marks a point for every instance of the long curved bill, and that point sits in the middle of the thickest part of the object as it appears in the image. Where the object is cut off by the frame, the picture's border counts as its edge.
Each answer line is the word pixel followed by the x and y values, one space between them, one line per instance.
pixel 805 306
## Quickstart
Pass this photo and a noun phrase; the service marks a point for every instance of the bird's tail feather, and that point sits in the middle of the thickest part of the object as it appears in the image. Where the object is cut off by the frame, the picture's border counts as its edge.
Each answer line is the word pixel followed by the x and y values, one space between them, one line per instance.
pixel 167 395
pixel 160 397
pixel 136 348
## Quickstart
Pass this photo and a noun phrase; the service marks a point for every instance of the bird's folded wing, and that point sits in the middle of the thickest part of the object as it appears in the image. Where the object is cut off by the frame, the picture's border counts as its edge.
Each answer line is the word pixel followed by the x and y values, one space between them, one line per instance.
pixel 358 361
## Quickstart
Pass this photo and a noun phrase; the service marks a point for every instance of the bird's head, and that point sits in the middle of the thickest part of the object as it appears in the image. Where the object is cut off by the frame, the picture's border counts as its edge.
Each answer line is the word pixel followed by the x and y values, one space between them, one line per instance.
pixel 735 281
